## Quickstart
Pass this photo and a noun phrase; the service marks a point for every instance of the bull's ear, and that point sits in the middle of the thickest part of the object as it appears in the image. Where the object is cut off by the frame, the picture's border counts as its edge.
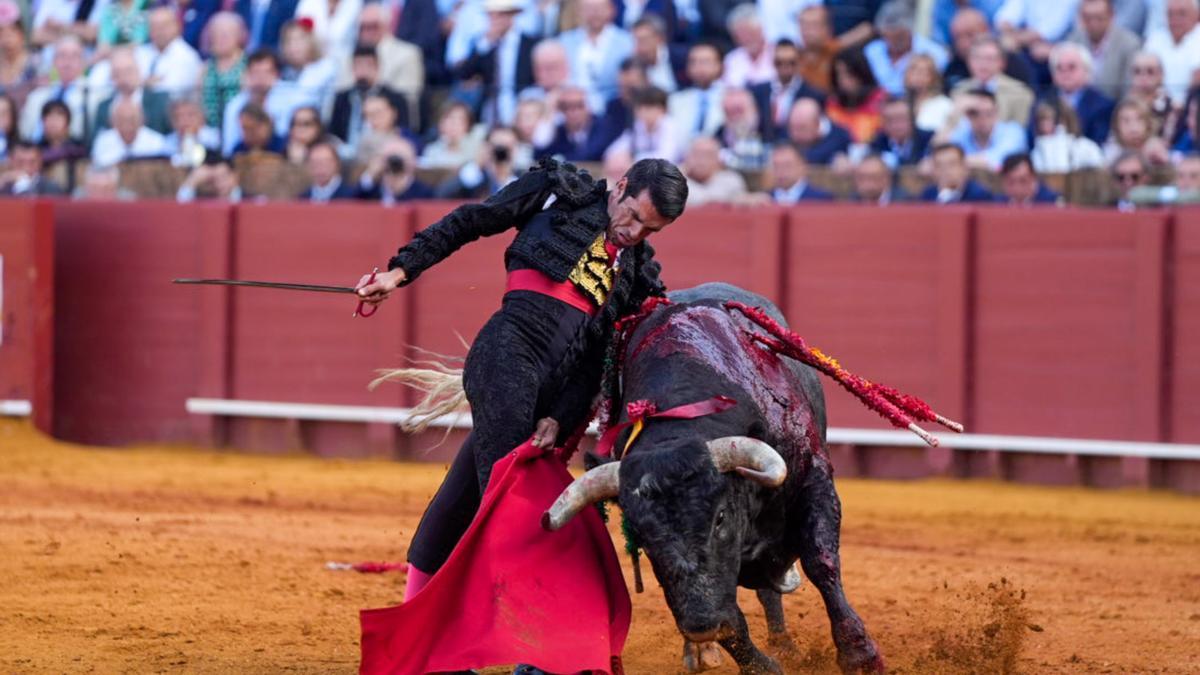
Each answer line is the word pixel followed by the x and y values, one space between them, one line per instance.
pixel 597 484
pixel 750 457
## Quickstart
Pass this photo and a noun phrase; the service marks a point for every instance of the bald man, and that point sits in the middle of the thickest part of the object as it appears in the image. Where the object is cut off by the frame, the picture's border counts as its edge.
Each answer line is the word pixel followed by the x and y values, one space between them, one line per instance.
pixel 168 63
pixel 128 138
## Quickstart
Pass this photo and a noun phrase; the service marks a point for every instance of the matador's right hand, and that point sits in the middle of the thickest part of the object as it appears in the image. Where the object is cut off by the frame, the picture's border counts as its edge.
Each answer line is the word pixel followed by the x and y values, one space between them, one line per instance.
pixel 375 292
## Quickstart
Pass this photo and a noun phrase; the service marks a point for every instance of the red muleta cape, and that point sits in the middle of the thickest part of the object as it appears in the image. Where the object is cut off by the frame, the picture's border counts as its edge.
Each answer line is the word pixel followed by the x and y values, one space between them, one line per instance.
pixel 512 592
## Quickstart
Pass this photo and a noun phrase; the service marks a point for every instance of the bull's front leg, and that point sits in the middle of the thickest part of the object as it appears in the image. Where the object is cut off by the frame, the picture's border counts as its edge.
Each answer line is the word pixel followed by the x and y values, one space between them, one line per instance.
pixel 778 637
pixel 818 547
pixel 748 657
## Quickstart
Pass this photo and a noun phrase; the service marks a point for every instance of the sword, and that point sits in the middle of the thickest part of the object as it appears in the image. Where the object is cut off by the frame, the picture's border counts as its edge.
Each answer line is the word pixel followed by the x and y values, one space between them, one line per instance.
pixel 360 311
pixel 268 284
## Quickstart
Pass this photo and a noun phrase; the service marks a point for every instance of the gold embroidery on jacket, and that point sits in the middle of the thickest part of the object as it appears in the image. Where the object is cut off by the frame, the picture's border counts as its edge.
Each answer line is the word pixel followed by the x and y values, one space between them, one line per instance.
pixel 592 274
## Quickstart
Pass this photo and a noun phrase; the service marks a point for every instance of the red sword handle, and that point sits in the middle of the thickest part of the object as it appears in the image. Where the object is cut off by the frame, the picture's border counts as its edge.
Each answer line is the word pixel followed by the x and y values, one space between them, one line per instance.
pixel 361 310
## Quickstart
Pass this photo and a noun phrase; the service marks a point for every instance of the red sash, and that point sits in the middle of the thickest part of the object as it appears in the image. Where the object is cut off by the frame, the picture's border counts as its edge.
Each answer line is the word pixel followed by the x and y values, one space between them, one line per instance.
pixel 533 280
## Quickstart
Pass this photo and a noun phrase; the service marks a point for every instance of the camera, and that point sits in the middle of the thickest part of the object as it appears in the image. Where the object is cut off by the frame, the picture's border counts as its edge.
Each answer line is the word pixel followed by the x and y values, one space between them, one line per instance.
pixel 500 154
pixel 395 164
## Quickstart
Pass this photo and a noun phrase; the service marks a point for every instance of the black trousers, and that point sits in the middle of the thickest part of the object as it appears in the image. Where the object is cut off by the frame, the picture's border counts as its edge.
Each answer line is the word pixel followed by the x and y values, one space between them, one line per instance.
pixel 506 377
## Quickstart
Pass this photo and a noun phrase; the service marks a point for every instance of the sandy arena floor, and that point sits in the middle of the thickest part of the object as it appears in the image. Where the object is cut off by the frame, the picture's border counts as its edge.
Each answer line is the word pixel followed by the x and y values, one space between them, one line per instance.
pixel 175 560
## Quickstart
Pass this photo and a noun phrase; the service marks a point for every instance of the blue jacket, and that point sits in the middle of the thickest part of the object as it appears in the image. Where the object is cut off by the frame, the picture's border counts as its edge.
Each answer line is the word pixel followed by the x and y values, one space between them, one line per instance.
pixel 591 150
pixel 914 152
pixel 809 194
pixel 972 193
pixel 278 13
pixel 823 151
pixel 1044 195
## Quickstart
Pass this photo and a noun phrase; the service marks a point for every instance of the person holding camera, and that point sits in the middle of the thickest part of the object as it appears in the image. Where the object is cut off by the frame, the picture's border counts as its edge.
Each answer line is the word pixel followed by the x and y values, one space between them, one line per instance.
pixel 489 173
pixel 390 178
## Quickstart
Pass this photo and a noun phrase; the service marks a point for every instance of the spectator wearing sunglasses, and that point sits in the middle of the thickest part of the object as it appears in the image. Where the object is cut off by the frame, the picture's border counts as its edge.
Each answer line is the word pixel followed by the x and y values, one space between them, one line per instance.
pixel 1130 171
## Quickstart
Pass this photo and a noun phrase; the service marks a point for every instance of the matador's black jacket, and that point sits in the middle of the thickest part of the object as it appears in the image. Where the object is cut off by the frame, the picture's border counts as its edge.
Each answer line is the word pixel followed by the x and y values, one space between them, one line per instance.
pixel 558 241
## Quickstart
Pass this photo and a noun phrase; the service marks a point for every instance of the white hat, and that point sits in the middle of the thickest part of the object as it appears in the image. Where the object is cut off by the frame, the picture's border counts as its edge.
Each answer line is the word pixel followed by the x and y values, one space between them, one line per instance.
pixel 503 5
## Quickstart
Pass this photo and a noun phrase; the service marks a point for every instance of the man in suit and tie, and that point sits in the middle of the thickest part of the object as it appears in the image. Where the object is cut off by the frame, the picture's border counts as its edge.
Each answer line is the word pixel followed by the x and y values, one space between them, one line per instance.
pixel 953 184
pixel 264 21
pixel 70 88
pixel 577 138
pixel 127 80
pixel 899 142
pixel 1020 183
pixel 346 122
pixel 697 109
pixel 325 171
pixel 775 98
pixel 874 183
pixel 1071 70
pixel 1112 47
pixel 500 61
pixel 789 175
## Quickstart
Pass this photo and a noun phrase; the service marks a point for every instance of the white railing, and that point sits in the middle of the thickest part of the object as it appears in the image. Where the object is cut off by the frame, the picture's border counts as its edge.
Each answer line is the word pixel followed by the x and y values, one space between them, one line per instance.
pixel 836 435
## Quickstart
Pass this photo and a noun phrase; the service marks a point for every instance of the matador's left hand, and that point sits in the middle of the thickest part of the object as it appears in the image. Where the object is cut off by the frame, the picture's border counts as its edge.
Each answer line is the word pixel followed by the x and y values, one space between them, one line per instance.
pixel 546 433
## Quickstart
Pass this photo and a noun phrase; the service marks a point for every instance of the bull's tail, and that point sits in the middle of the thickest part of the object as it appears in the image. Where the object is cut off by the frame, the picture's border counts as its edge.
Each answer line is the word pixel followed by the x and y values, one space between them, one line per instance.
pixel 441 384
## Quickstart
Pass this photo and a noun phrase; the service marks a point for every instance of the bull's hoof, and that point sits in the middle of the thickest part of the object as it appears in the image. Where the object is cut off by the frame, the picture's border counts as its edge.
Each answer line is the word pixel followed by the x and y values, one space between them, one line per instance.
pixel 867 661
pixel 701 656
pixel 790 581
pixel 761 666
pixel 782 645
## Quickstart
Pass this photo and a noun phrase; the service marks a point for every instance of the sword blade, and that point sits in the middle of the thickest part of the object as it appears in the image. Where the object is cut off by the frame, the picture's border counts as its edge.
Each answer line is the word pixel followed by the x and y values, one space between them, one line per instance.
pixel 269 284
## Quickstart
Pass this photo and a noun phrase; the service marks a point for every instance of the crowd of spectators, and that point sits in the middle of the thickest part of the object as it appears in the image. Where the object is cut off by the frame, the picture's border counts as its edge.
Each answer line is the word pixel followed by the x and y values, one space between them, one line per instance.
pixel 393 100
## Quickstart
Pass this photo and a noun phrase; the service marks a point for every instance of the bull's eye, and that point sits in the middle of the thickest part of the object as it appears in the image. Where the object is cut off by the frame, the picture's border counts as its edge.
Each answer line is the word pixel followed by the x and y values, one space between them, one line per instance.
pixel 720 518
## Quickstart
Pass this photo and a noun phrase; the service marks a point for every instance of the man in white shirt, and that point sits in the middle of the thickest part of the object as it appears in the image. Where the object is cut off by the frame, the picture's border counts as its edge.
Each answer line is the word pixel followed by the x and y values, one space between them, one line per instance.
pixel 750 62
pixel 1035 21
pixel 70 89
pixel 697 109
pixel 596 49
pixel 55 19
pixel 128 138
pixel 1178 47
pixel 168 63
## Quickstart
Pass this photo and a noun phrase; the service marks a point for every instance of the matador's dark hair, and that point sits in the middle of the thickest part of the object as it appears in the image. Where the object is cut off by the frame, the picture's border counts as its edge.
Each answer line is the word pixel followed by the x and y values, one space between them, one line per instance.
pixel 668 188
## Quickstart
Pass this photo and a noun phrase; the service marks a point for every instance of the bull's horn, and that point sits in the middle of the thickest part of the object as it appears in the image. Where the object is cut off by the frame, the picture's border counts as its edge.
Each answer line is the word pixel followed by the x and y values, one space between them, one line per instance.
pixel 597 484
pixel 750 457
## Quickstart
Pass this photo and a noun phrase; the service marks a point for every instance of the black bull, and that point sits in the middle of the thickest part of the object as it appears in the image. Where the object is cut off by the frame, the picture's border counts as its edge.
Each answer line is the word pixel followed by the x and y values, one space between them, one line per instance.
pixel 711 518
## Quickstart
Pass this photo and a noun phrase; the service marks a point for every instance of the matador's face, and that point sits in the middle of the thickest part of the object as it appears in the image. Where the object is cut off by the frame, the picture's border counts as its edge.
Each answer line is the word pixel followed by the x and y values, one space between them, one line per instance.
pixel 632 219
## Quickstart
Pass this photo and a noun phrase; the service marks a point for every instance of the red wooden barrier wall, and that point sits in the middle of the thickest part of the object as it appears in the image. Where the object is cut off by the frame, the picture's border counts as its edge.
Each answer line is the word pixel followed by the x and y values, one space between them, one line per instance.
pixel 1057 322
pixel 306 347
pixel 27 306
pixel 128 342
